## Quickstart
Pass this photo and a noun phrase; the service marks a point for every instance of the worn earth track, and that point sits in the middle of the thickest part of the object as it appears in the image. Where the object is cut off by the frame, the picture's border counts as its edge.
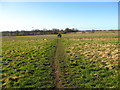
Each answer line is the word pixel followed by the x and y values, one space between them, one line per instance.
pixel 55 62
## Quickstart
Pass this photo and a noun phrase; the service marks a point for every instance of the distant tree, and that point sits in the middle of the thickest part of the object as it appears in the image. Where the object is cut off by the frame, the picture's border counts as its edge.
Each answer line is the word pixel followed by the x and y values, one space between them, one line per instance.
pixel 55 31
pixel 74 30
pixel 17 32
pixel 93 30
pixel 67 30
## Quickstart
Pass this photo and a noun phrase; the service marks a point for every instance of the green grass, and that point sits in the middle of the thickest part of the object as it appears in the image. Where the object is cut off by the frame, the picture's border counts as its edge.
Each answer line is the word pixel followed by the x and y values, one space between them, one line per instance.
pixel 92 60
pixel 85 60
pixel 27 61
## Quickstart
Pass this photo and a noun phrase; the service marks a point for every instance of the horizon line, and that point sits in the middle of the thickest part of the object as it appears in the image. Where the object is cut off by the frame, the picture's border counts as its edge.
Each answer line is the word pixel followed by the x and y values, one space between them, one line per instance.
pixel 59 29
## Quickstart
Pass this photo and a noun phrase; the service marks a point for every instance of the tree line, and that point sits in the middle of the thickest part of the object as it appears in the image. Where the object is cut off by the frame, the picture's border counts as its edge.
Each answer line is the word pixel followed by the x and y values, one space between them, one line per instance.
pixel 37 32
pixel 46 32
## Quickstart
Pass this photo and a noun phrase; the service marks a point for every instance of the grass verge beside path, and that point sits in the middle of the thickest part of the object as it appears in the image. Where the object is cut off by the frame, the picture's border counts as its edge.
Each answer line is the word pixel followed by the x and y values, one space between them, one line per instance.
pixel 26 62
pixel 91 62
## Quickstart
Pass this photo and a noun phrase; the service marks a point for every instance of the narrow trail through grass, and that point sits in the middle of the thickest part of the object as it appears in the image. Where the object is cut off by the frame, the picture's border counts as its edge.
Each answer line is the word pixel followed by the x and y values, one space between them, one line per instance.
pixel 56 71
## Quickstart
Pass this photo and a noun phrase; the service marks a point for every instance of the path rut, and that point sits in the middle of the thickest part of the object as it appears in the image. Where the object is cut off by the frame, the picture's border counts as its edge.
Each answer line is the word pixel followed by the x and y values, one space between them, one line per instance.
pixel 55 62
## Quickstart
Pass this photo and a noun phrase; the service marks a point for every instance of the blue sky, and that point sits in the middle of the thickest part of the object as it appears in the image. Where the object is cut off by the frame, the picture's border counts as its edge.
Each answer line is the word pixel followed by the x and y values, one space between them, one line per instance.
pixel 80 15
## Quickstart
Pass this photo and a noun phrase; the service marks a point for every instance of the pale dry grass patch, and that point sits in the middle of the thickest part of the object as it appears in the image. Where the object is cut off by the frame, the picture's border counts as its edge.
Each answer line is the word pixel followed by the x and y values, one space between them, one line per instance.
pixel 105 53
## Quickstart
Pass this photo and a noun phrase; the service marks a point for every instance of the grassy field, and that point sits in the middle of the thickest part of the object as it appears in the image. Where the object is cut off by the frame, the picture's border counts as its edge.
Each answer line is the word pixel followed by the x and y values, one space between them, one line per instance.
pixel 27 61
pixel 77 60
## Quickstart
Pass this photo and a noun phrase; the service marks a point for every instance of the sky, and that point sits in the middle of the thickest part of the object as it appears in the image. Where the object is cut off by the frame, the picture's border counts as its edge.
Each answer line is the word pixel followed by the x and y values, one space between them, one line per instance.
pixel 59 0
pixel 61 15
